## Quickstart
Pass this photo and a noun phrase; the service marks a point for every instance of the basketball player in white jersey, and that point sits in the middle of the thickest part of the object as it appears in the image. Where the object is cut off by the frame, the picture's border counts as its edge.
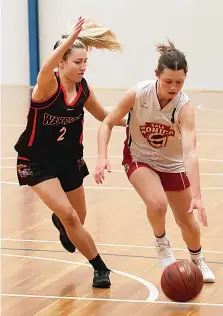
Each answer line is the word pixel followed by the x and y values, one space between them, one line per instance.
pixel 159 155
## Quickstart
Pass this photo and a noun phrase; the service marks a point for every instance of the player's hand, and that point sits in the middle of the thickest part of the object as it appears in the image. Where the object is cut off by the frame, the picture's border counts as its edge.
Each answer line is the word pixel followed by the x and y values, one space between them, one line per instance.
pixel 196 204
pixel 77 27
pixel 102 164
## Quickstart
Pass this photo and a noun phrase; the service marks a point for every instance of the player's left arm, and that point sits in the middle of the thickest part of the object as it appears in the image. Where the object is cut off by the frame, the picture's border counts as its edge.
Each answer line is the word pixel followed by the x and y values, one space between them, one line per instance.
pixel 188 132
pixel 94 107
pixel 186 119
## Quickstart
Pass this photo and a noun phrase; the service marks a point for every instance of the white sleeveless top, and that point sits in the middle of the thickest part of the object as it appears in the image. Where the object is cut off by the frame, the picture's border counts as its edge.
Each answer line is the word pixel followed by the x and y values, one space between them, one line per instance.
pixel 151 136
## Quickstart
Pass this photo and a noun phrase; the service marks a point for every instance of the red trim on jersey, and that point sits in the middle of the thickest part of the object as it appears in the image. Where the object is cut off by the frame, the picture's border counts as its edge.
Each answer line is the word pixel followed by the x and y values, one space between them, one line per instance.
pixel 23 158
pixel 35 101
pixel 41 101
pixel 88 91
pixel 81 136
pixel 33 129
pixel 76 97
pixel 126 150
pixel 44 107
pixel 85 95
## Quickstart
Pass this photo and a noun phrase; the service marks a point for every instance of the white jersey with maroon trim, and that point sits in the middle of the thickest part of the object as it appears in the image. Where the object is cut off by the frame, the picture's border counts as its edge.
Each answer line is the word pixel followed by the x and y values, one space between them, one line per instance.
pixel 153 134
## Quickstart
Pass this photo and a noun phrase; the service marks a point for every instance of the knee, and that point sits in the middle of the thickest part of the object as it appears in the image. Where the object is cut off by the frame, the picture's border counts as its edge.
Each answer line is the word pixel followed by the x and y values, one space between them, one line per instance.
pixel 82 218
pixel 82 215
pixel 158 207
pixel 70 217
pixel 187 224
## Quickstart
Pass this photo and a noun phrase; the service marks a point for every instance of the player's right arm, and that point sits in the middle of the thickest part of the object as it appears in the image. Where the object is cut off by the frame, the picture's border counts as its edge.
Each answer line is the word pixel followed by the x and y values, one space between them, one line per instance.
pixel 104 133
pixel 46 81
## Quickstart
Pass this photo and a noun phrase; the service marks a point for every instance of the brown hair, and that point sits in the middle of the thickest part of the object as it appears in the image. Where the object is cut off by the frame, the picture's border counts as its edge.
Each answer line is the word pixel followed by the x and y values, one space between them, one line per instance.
pixel 171 58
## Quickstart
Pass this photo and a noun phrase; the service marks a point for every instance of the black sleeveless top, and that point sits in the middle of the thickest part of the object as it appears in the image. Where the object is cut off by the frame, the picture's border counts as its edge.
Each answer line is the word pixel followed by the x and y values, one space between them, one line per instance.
pixel 55 127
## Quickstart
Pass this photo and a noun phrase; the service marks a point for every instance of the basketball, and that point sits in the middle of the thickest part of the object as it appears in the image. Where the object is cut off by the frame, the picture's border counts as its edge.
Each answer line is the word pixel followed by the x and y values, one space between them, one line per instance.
pixel 181 281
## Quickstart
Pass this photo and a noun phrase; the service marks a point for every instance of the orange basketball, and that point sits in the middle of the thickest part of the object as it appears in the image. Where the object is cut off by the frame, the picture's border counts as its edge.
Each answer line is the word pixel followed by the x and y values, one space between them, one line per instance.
pixel 182 281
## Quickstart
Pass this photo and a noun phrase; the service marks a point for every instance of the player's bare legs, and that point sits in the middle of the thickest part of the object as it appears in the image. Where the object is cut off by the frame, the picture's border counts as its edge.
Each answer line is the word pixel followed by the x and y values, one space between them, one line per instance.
pixel 77 200
pixel 180 203
pixel 52 194
pixel 148 185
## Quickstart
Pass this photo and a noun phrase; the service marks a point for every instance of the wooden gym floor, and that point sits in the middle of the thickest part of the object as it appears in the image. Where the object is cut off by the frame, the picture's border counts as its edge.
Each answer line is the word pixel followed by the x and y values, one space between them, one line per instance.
pixel 39 278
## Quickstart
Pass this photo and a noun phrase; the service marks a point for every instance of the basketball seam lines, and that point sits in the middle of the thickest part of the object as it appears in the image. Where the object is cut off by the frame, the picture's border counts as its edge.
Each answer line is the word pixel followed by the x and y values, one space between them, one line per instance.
pixel 183 280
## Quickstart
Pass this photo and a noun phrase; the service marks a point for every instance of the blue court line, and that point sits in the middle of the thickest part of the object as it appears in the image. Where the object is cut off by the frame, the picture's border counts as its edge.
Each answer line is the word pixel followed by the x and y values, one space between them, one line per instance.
pixel 103 254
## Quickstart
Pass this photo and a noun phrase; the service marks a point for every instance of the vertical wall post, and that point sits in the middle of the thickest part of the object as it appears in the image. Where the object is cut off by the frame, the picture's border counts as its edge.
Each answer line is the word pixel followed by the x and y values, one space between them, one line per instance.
pixel 33 40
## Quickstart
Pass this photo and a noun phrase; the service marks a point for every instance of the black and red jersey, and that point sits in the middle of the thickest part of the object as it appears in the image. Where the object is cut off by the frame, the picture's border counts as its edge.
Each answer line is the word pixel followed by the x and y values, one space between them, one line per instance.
pixel 55 127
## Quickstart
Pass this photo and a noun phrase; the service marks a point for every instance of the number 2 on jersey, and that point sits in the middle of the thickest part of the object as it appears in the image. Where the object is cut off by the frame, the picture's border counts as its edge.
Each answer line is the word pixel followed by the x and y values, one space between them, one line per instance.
pixel 61 137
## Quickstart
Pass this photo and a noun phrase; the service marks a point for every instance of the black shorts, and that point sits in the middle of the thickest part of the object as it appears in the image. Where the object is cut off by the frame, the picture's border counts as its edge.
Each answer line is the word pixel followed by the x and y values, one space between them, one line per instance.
pixel 69 173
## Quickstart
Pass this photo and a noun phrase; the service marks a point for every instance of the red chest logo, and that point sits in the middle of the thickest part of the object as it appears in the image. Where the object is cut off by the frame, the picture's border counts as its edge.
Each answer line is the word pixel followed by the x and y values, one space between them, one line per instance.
pixel 156 134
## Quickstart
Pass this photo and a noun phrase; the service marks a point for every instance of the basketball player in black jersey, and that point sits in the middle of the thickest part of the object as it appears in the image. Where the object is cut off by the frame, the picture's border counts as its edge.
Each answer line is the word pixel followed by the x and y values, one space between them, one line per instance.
pixel 50 150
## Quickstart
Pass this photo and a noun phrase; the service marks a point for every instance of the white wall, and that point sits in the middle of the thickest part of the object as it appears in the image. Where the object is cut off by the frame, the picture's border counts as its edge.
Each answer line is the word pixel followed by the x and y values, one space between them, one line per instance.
pixel 14 42
pixel 194 25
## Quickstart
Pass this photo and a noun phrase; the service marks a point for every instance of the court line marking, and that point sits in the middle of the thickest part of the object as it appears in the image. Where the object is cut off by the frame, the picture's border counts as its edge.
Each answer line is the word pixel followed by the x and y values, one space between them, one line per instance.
pixel 210 129
pixel 100 244
pixel 113 300
pixel 202 107
pixel 120 255
pixel 152 298
pixel 211 174
pixel 111 188
pixel 115 128
pixel 153 291
pixel 118 130
pixel 88 128
pixel 212 160
pixel 211 134
pixel 122 171
pixel 94 156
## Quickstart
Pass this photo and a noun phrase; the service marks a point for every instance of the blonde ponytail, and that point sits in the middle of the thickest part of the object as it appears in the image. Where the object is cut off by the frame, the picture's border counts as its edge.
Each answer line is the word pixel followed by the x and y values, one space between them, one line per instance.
pixel 92 35
pixel 97 36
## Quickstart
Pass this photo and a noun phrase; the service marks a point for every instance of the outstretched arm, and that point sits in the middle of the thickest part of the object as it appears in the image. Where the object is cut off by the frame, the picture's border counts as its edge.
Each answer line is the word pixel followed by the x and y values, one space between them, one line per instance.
pixel 188 131
pixel 104 132
pixel 46 81
pixel 94 107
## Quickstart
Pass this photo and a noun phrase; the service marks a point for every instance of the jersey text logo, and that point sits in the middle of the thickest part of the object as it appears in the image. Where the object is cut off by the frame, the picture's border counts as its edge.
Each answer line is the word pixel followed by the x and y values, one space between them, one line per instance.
pixel 58 120
pixel 156 134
